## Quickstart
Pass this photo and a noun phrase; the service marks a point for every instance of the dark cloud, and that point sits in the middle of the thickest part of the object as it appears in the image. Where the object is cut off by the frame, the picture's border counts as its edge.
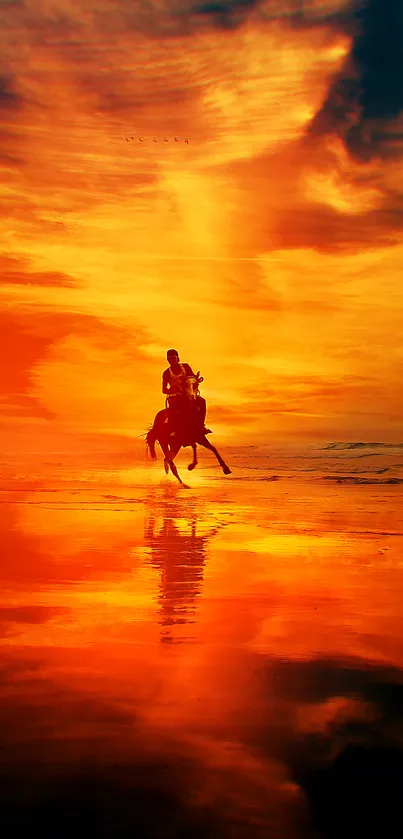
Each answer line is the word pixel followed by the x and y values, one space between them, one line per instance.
pixel 219 6
pixel 299 14
pixel 378 54
pixel 225 13
pixel 368 93
pixel 9 98
pixel 173 18
pixel 341 107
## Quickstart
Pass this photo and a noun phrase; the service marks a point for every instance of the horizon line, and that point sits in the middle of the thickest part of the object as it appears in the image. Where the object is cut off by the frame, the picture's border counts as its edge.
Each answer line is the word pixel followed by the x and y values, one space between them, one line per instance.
pixel 214 258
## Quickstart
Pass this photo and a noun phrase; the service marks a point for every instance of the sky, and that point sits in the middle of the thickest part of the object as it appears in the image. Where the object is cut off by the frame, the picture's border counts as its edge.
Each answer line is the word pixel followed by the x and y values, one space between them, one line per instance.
pixel 221 177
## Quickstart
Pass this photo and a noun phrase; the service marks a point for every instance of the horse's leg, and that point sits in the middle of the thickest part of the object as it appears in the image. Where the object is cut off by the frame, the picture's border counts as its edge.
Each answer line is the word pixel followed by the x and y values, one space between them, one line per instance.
pixel 203 441
pixel 194 461
pixel 172 451
pixel 165 450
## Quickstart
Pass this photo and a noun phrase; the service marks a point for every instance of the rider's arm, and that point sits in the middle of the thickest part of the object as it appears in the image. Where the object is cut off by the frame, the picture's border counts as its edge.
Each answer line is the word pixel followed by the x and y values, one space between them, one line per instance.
pixel 165 383
pixel 188 369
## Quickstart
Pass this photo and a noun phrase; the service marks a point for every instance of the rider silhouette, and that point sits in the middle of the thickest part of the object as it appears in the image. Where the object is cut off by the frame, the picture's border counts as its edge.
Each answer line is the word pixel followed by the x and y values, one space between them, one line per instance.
pixel 172 382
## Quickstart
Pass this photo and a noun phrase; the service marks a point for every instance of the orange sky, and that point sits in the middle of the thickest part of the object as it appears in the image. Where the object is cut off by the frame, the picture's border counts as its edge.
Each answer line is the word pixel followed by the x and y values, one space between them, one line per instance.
pixel 267 249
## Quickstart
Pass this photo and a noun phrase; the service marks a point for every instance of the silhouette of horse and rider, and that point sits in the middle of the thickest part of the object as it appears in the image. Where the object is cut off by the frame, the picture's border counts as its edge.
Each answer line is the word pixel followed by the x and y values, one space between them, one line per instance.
pixel 182 422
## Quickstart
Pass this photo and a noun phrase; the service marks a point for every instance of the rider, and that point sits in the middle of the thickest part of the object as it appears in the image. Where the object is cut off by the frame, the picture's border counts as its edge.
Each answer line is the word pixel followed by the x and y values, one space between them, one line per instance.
pixel 172 382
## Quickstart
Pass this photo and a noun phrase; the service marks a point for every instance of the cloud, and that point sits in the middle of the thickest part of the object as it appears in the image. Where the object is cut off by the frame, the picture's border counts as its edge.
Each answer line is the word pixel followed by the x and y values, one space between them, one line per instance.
pixel 29 614
pixel 9 98
pixel 377 53
pixel 15 270
pixel 312 194
pixel 230 14
pixel 12 615
pixel 227 14
pixel 29 339
pixel 20 350
pixel 368 93
pixel 324 228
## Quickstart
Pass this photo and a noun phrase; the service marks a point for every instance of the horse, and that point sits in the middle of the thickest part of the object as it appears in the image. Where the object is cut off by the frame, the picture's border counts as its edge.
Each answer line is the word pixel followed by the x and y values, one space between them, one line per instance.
pixel 190 432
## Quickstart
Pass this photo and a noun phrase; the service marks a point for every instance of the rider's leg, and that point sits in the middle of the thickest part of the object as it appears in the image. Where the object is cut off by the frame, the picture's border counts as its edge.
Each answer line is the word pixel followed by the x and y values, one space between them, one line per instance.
pixel 175 414
pixel 201 404
pixel 202 408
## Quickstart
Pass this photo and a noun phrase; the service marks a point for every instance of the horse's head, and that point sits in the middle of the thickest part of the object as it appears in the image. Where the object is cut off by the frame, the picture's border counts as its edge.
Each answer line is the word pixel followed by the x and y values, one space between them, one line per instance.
pixel 191 387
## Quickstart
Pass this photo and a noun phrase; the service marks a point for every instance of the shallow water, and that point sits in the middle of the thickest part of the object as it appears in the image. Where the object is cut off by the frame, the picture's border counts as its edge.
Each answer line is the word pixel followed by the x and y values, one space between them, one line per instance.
pixel 183 662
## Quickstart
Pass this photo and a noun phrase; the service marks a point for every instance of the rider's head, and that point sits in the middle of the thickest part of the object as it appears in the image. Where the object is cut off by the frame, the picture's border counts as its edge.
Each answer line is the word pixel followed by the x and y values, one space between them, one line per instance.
pixel 173 356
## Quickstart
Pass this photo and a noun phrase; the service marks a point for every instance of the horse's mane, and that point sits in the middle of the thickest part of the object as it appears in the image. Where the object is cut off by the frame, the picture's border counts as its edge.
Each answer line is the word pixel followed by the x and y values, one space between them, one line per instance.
pixel 198 379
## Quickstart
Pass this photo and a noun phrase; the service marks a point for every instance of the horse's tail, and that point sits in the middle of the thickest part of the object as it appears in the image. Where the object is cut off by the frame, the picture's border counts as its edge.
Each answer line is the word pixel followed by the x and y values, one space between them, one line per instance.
pixel 151 438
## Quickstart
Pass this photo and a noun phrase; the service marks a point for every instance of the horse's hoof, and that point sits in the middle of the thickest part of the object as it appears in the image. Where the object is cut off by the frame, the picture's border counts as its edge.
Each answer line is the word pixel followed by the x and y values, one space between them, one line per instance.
pixel 185 486
pixel 191 467
pixel 226 470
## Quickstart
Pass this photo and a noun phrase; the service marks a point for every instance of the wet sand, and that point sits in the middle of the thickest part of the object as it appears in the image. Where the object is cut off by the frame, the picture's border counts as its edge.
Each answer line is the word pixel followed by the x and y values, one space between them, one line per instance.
pixel 194 662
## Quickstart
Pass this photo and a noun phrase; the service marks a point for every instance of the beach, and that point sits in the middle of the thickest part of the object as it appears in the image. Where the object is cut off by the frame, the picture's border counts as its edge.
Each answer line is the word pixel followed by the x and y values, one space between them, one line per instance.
pixel 178 662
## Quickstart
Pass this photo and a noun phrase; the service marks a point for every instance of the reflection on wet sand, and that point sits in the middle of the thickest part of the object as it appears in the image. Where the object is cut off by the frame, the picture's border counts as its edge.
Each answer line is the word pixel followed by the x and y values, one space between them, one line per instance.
pixel 179 554
pixel 289 694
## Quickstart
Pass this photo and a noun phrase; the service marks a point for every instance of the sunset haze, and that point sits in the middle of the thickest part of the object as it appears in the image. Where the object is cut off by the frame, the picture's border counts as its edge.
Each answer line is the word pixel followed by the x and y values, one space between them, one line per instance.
pixel 225 178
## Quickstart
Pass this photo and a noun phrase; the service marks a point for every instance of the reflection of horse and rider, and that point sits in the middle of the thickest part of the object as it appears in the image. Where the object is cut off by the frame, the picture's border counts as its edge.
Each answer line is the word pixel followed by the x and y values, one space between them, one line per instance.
pixel 182 422
pixel 179 553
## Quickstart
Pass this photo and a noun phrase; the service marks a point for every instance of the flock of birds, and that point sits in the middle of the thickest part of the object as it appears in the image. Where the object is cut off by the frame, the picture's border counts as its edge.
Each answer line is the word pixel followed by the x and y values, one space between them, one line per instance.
pixel 165 140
